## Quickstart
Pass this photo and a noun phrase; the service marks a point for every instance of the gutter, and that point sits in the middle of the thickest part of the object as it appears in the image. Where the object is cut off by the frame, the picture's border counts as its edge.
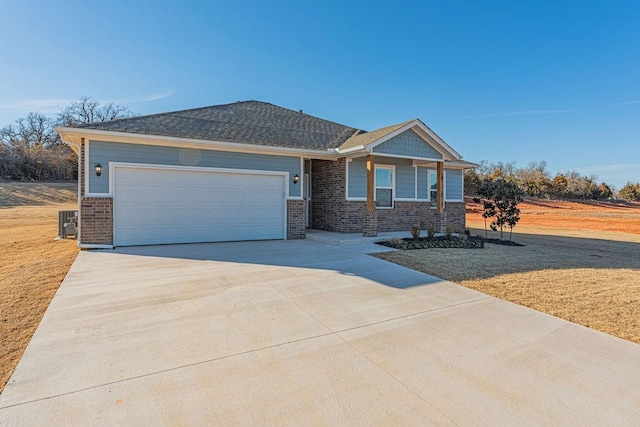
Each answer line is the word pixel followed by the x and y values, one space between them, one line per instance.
pixel 132 138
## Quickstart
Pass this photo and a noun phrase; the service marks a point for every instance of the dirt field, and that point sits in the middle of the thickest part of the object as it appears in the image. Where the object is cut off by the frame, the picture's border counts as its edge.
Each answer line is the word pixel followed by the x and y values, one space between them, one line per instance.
pixel 581 262
pixel 570 215
pixel 33 264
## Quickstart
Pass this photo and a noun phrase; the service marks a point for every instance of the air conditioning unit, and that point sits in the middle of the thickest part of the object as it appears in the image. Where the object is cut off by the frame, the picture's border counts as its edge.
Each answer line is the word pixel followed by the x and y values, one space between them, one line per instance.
pixel 67 224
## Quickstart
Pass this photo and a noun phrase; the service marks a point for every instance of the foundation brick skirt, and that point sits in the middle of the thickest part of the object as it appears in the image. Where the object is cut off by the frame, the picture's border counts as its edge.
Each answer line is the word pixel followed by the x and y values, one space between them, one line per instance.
pixel 370 224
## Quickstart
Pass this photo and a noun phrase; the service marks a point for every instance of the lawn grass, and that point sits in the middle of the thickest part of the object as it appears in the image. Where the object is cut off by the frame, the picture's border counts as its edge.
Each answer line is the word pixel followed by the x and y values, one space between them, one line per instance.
pixel 590 278
pixel 33 264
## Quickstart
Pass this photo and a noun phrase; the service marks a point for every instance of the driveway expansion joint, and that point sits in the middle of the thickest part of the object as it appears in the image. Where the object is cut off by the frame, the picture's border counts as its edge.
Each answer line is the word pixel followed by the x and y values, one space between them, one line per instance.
pixel 228 356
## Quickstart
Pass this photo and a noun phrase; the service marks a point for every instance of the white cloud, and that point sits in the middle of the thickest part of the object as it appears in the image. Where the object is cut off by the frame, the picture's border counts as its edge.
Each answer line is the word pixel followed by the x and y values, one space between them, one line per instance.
pixel 53 105
pixel 28 105
pixel 144 98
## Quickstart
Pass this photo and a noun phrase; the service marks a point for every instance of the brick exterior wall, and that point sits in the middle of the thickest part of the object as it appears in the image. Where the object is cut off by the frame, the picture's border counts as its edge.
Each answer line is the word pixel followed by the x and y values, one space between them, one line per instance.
pixel 328 182
pixel 456 216
pixel 295 220
pixel 370 224
pixel 332 212
pixel 96 220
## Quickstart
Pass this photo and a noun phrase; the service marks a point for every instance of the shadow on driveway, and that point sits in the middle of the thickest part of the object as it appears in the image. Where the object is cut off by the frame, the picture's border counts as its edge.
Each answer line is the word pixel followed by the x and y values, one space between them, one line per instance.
pixel 292 253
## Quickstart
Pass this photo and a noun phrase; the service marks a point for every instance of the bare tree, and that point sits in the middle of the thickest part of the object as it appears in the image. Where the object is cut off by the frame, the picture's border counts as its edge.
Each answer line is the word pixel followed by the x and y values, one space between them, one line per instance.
pixel 30 149
pixel 31 131
pixel 87 111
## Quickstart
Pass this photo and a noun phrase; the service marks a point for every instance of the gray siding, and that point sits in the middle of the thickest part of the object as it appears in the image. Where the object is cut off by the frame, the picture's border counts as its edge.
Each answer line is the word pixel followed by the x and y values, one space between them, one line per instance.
pixel 405 176
pixel 105 152
pixel 423 189
pixel 358 177
pixel 409 144
pixel 453 182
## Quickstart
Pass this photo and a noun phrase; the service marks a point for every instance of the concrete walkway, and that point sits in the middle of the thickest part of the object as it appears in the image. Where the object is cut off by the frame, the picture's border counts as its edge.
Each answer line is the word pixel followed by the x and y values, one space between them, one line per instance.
pixel 302 332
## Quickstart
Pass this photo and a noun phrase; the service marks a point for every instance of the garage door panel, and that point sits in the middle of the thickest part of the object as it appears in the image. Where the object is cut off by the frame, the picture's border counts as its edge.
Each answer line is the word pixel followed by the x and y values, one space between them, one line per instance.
pixel 154 206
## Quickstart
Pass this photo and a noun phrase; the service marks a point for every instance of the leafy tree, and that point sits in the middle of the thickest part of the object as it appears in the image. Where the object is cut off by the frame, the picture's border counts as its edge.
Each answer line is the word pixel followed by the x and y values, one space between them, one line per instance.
pixel 486 191
pixel 631 192
pixel 535 179
pixel 472 181
pixel 603 191
pixel 500 198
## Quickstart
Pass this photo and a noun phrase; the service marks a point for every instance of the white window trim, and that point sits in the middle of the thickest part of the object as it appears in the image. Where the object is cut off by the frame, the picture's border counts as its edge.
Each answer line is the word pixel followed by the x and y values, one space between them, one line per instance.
pixel 393 185
pixel 444 185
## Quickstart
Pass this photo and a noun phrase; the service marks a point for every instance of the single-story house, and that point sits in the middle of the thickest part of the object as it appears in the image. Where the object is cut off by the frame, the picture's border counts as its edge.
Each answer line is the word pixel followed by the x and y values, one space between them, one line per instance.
pixel 252 171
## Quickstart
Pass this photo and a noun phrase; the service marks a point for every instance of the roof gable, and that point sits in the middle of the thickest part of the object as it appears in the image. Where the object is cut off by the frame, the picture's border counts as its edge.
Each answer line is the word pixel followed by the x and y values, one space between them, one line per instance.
pixel 408 144
pixel 370 140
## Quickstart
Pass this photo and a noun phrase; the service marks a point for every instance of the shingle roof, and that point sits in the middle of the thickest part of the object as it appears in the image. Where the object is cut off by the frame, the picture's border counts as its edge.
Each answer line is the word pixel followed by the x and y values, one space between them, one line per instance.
pixel 362 139
pixel 247 122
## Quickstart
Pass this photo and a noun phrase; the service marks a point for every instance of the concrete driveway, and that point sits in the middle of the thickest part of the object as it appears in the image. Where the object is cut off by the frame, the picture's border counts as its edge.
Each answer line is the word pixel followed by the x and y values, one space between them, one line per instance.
pixel 301 332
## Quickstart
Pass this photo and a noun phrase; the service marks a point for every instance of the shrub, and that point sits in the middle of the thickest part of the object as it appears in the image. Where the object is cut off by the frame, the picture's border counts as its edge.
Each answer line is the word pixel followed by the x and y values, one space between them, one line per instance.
pixel 448 233
pixel 415 232
pixel 431 231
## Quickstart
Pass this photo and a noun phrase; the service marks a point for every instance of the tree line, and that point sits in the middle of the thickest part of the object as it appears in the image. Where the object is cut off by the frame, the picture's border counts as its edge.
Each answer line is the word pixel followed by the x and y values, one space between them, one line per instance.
pixel 535 180
pixel 31 149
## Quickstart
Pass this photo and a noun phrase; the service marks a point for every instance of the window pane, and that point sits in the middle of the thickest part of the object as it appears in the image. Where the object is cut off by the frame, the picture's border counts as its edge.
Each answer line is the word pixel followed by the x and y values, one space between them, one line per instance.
pixel 383 198
pixel 433 177
pixel 384 177
pixel 434 198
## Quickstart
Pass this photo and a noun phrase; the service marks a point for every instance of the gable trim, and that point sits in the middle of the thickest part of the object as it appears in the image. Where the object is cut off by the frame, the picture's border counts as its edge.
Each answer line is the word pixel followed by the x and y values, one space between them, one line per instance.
pixel 440 146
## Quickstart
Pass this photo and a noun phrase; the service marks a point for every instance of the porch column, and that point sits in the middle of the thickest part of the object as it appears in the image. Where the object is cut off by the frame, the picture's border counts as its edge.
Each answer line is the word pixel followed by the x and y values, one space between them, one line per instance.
pixel 370 220
pixel 371 170
pixel 440 172
pixel 441 223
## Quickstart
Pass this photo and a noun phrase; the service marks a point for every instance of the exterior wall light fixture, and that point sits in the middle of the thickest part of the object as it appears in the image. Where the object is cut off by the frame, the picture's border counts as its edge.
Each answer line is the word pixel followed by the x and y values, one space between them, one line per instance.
pixel 296 178
pixel 98 169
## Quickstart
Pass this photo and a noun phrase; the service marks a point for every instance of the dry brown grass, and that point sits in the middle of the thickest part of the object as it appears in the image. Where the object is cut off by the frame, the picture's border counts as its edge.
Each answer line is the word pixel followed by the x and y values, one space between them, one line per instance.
pixel 590 278
pixel 33 264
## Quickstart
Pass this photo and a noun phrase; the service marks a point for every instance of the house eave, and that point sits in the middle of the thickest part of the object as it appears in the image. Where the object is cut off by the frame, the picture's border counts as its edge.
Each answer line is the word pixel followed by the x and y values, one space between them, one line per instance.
pixel 73 136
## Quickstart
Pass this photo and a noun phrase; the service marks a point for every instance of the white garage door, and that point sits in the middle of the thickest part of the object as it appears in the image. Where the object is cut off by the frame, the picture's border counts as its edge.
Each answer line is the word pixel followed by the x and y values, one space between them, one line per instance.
pixel 157 206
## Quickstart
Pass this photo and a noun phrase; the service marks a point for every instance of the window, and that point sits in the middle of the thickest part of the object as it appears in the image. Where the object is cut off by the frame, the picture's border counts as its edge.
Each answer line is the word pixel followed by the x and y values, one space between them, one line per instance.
pixel 433 189
pixel 384 186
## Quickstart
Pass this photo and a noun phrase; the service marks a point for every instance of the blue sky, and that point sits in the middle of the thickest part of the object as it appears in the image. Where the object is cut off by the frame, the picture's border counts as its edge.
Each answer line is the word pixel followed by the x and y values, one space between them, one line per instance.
pixel 498 80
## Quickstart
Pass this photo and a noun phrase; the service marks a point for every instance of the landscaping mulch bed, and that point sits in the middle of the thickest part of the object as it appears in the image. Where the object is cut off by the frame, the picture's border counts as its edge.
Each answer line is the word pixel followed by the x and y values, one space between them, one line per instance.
pixel 503 242
pixel 473 242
